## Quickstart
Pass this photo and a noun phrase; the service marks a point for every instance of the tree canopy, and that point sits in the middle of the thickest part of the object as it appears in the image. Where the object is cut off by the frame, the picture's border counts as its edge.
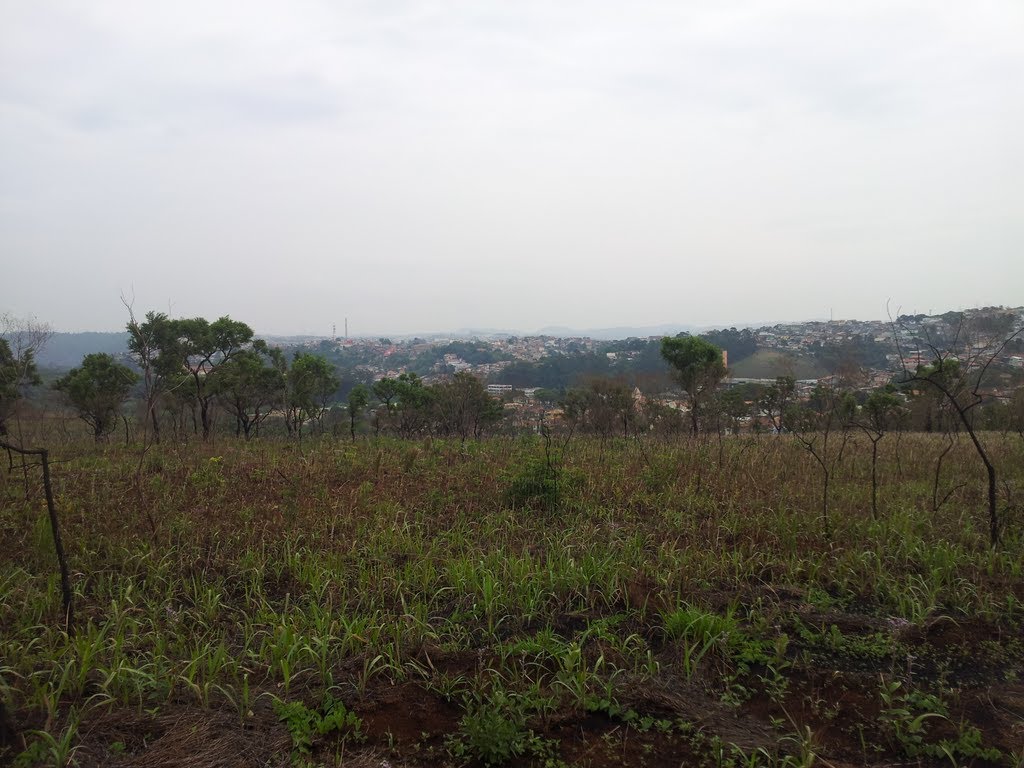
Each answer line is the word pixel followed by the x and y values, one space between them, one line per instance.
pixel 97 389
pixel 15 375
pixel 698 368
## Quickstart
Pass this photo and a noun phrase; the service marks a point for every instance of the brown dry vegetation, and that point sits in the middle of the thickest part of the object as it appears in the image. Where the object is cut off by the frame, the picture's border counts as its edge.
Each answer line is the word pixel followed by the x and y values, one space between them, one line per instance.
pixel 389 603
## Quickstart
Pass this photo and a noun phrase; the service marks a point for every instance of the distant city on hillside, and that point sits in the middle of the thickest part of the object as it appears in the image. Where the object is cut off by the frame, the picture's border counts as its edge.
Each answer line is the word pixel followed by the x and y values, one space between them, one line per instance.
pixel 804 350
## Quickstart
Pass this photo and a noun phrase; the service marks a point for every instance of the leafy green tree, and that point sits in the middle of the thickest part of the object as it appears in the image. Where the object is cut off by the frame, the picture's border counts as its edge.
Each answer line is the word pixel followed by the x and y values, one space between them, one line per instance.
pixel 549 396
pixel 312 382
pixel 358 399
pixel 415 405
pixel 698 368
pixel 464 407
pixel 97 389
pixel 604 406
pixel 249 387
pixel 179 404
pixel 615 397
pixel 740 344
pixel 15 375
pixel 152 345
pixel 575 406
pixel 733 406
pixel 662 420
pixel 199 347
pixel 776 400
pixel 23 338
pixel 387 390
pixel 408 404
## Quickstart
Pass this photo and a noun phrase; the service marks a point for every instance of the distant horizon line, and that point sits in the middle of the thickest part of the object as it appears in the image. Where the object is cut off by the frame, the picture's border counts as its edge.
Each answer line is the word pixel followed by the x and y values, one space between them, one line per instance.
pixel 568 331
pixel 547 330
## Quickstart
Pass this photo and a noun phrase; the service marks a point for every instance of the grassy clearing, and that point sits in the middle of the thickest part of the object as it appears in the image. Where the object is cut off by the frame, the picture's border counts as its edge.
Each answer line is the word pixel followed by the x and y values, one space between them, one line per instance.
pixel 433 603
pixel 769 363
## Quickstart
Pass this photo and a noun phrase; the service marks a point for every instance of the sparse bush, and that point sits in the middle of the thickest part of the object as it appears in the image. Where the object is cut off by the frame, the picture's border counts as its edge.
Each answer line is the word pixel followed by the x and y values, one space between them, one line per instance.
pixel 535 485
pixel 209 475
pixel 494 731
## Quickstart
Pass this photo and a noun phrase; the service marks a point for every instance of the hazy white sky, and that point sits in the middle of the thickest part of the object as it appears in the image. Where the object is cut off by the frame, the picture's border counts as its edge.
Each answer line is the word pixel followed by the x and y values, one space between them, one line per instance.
pixel 435 165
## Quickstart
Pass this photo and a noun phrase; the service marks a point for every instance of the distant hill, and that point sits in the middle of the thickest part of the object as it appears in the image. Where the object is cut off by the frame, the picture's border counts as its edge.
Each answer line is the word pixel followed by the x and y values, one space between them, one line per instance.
pixel 66 350
pixel 769 363
pixel 616 333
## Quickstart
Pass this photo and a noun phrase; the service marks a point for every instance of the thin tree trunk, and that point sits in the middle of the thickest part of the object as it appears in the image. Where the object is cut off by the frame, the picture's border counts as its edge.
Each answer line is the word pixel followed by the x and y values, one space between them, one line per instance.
pixel 993 513
pixel 824 506
pixel 938 471
pixel 204 412
pixel 156 422
pixel 58 544
pixel 899 464
pixel 874 479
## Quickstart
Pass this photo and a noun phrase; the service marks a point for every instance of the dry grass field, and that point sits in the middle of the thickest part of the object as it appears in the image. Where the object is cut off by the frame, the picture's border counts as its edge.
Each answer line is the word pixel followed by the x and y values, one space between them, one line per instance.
pixel 389 603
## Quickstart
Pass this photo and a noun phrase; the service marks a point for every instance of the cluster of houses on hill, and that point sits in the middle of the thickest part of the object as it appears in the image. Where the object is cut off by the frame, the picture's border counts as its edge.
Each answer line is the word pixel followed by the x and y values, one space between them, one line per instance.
pixel 891 346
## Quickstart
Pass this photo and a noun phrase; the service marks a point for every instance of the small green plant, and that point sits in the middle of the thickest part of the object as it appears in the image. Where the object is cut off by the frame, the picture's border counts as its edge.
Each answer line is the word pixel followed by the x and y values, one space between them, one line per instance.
pixel 494 731
pixel 874 646
pixel 906 714
pixel 50 750
pixel 305 724
pixel 754 654
pixel 967 745
pixel 34 754
pixel 209 475
pixel 804 750
pixel 693 623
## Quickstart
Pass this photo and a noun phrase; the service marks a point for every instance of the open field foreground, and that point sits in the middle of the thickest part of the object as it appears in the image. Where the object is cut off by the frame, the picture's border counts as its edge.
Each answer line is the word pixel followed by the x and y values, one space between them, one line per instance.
pixel 391 603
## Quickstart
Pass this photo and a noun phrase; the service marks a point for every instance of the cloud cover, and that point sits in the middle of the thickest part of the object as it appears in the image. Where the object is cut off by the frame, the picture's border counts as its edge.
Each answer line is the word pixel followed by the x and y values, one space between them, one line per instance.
pixel 429 165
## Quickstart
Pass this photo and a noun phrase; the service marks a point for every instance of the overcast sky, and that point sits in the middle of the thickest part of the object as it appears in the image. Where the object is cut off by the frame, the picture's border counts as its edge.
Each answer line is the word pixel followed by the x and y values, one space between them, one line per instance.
pixel 420 166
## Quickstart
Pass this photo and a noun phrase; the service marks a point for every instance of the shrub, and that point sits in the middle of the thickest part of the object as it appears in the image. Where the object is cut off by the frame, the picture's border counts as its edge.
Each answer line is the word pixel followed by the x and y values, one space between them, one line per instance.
pixel 698 625
pixel 535 485
pixel 494 731
pixel 306 724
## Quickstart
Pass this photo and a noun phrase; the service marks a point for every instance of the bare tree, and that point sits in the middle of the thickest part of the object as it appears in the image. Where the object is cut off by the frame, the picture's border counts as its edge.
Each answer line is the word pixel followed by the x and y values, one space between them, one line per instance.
pixel 26 335
pixel 951 437
pixel 879 414
pixel 23 338
pixel 961 361
pixel 822 427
